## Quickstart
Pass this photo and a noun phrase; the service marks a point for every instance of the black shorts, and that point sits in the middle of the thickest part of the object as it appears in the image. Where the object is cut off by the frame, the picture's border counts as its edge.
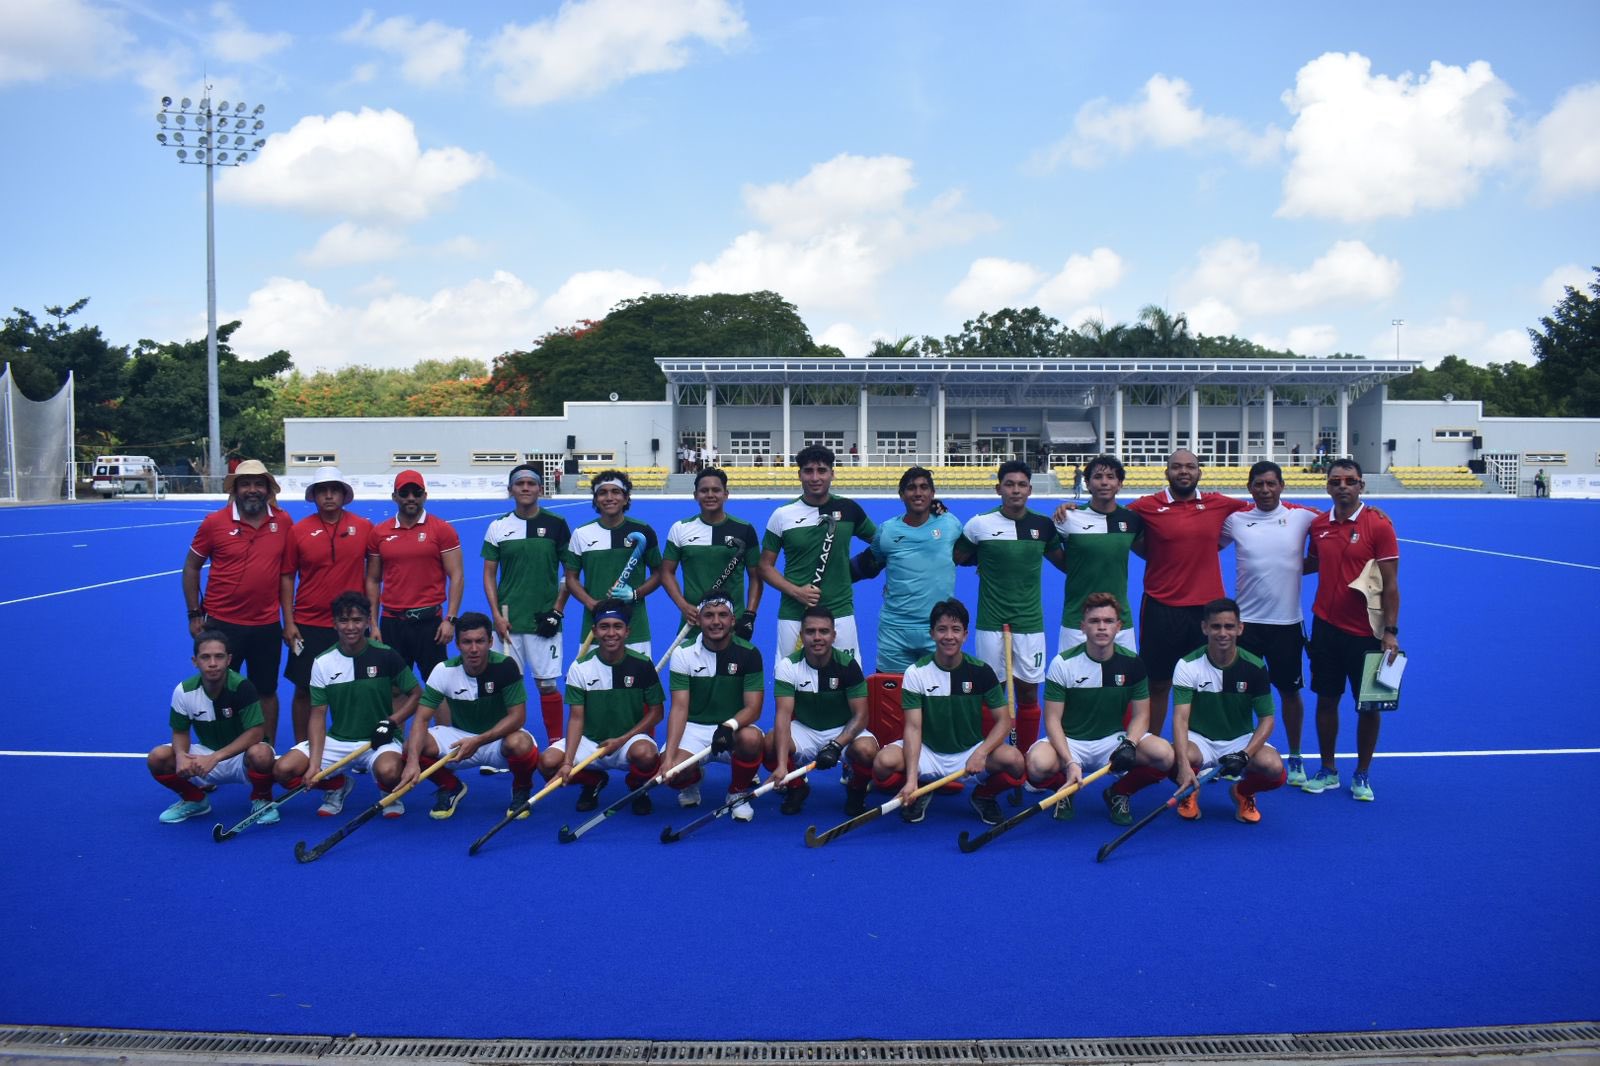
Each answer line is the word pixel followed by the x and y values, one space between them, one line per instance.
pixel 1167 634
pixel 413 639
pixel 317 640
pixel 257 651
pixel 1338 658
pixel 1283 647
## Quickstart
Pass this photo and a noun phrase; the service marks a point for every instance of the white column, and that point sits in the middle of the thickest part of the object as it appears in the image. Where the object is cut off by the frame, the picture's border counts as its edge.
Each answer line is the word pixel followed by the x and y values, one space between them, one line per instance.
pixel 972 430
pixel 711 414
pixel 1244 427
pixel 1105 444
pixel 1194 420
pixel 785 449
pixel 939 457
pixel 1266 429
pixel 1344 420
pixel 1316 425
pixel 1172 427
pixel 861 428
pixel 1116 448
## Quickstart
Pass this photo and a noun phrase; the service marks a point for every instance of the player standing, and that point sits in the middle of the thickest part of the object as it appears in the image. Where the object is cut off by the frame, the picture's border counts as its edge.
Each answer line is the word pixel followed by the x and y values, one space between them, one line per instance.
pixel 1011 543
pixel 705 545
pixel 328 553
pixel 1344 542
pixel 411 559
pixel 225 715
pixel 821 698
pixel 916 554
pixel 1098 539
pixel 803 530
pixel 599 551
pixel 522 581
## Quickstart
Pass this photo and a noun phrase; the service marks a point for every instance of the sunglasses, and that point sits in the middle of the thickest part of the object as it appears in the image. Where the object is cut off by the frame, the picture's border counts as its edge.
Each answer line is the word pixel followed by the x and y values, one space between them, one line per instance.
pixel 412 491
pixel 1344 481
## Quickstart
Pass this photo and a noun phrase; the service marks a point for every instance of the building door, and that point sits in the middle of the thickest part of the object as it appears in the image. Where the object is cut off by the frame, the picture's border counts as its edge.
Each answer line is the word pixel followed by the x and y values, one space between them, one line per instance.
pixel 1507 467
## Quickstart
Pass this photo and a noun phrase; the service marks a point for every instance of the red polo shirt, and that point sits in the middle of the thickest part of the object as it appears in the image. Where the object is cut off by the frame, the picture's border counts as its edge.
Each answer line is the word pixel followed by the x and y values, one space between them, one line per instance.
pixel 245 563
pixel 330 559
pixel 1180 545
pixel 1342 549
pixel 413 561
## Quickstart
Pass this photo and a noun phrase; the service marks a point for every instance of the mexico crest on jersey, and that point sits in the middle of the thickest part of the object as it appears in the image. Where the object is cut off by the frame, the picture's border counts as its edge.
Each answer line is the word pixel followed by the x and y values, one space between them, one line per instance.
pixel 1122 527
pixel 833 682
pixel 733 668
pixel 937 534
pixel 488 688
pixel 349 531
pixel 227 712
pixel 1355 535
pixel 627 682
pixel 422 536
pixel 372 671
pixel 272 526
pixel 966 687
pixel 1034 533
pixel 1241 686
pixel 542 531
pixel 1118 680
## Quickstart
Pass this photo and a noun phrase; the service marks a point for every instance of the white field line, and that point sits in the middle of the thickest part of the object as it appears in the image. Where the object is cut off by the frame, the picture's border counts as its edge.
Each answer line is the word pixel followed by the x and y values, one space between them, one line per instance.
pixel 87 588
pixel 1342 754
pixel 97 529
pixel 1502 555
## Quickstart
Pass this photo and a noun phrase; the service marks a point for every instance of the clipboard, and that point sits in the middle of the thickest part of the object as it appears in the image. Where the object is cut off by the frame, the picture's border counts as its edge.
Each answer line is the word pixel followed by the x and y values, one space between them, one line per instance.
pixel 1374 694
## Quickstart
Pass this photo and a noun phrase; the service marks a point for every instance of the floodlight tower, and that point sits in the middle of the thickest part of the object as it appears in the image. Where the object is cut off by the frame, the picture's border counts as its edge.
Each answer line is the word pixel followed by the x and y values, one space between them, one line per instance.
pixel 223 136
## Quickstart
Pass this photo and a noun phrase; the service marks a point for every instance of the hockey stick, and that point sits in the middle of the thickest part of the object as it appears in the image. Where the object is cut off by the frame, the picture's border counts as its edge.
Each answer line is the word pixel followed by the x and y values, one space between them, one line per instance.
pixel 1011 701
pixel 668 836
pixel 815 839
pixel 568 835
pixel 830 523
pixel 639 542
pixel 219 834
pixel 1176 798
pixel 304 854
pixel 517 812
pixel 1017 819
pixel 716 586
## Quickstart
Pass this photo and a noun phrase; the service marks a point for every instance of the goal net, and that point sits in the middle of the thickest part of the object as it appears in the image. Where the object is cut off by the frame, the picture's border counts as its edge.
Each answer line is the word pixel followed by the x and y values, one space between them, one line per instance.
pixel 36 447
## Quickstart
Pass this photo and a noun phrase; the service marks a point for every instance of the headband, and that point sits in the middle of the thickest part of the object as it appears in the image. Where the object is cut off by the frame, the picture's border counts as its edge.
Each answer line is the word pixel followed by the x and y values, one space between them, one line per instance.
pixel 524 474
pixel 612 613
pixel 596 486
pixel 716 597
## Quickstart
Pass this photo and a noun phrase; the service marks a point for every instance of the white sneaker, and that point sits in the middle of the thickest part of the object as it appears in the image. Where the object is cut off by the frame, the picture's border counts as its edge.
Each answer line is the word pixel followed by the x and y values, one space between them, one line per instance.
pixel 397 809
pixel 333 802
pixel 743 812
pixel 690 796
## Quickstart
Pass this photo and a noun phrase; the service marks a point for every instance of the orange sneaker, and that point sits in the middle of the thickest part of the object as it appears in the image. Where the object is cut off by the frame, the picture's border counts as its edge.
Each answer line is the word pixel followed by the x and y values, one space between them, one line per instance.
pixel 1244 807
pixel 1189 806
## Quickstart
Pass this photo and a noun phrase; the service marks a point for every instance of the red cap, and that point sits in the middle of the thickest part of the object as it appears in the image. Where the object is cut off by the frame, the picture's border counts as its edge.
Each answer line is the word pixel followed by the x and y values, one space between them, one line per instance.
pixel 409 477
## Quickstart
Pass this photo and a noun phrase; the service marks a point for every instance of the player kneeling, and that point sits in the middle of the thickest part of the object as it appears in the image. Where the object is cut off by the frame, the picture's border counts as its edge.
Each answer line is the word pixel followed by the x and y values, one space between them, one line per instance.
pixel 944 696
pixel 1096 700
pixel 716 676
pixel 481 694
pixel 223 710
pixel 615 699
pixel 1215 691
pixel 821 698
pixel 362 692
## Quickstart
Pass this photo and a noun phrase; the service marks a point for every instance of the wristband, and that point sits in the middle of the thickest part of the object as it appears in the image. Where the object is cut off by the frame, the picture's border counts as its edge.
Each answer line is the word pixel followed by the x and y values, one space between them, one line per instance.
pixel 197 612
pixel 1393 631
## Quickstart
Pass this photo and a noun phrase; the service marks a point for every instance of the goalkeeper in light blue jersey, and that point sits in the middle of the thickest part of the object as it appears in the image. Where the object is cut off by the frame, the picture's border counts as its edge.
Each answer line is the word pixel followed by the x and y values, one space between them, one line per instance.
pixel 914 554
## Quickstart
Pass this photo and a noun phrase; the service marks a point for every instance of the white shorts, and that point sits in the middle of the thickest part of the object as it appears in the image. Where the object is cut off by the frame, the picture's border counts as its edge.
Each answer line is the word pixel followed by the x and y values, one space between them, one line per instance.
pixel 333 750
pixel 697 737
pixel 448 736
pixel 229 771
pixel 935 764
pixel 1027 654
pixel 1071 638
pixel 845 636
pixel 617 760
pixel 807 741
pixel 540 656
pixel 1089 754
pixel 1212 750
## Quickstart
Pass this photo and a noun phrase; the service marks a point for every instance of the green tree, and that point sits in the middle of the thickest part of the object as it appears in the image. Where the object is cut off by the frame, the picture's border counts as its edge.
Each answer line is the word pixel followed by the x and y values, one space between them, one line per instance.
pixel 1009 333
pixel 1567 345
pixel 42 354
pixel 1165 335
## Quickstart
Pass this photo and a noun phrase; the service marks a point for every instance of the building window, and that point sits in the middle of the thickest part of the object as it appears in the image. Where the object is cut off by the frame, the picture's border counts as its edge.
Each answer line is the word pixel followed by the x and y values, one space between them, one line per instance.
pixel 313 459
pixel 595 457
pixel 745 443
pixel 897 442
pixel 1453 433
pixel 494 458
pixel 1545 458
pixel 831 438
pixel 414 458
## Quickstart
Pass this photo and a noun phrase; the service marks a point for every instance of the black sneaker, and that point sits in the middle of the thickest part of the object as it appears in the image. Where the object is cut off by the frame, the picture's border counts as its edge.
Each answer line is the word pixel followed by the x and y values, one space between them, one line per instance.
pixel 917 809
pixel 589 799
pixel 444 802
pixel 855 801
pixel 641 804
pixel 987 807
pixel 519 796
pixel 794 798
pixel 1118 807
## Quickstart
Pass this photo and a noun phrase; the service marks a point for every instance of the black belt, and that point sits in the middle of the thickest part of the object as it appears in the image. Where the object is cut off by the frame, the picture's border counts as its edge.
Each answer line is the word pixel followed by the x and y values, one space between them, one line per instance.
pixel 415 614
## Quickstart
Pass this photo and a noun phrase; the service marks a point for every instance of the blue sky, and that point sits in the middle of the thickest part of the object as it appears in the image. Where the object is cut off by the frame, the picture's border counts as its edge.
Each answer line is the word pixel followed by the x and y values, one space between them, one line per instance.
pixel 457 180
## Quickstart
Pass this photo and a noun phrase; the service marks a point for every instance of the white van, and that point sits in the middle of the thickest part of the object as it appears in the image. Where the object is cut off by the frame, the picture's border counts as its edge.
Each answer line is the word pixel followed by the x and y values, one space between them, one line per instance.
pixel 127 475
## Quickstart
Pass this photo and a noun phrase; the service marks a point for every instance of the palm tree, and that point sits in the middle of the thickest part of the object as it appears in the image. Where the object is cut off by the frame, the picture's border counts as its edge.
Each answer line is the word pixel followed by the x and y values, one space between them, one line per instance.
pixel 1169 333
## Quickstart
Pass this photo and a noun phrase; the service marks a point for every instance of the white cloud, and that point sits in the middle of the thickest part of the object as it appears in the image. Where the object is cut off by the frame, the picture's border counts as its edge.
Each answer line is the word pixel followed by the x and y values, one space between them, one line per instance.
pixel 1302 340
pixel 1232 273
pixel 593 293
pixel 44 39
pixel 479 319
pixel 1160 116
pixel 844 190
pixel 348 243
pixel 234 42
pixel 1553 289
pixel 1508 345
pixel 851 340
pixel 839 269
pixel 1212 317
pixel 1567 149
pixel 1081 279
pixel 1366 146
pixel 429 52
pixel 1454 335
pixel 592 44
pixel 991 283
pixel 367 166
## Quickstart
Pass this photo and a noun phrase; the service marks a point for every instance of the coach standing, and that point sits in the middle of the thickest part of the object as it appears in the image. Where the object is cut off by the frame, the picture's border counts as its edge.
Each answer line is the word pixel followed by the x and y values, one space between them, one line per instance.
pixel 246 542
pixel 410 560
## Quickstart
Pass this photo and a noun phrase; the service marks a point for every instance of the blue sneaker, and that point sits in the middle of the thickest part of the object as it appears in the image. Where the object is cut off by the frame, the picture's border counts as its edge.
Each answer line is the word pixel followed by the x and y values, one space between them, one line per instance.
pixel 1296 768
pixel 1325 781
pixel 270 818
pixel 184 809
pixel 1361 787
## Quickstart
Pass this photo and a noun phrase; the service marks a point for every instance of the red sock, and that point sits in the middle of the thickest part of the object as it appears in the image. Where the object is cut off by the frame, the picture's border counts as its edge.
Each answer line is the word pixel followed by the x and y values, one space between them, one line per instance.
pixel 444 779
pixel 522 767
pixel 1054 783
pixel 588 778
pixel 893 783
pixel 1027 725
pixel 260 785
pixel 330 784
pixel 1250 784
pixel 1137 778
pixel 550 709
pixel 995 784
pixel 684 778
pixel 744 774
pixel 860 777
pixel 183 786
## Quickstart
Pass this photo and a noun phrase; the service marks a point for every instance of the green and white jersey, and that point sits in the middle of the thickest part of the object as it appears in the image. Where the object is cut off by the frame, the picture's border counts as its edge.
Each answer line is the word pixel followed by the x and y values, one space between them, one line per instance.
pixel 702 552
pixel 528 551
pixel 1010 555
pixel 613 695
pixel 1097 559
pixel 796 531
pixel 951 701
pixel 476 703
pixel 716 680
pixel 218 720
pixel 821 697
pixel 1223 703
pixel 1096 695
pixel 358 691
pixel 599 554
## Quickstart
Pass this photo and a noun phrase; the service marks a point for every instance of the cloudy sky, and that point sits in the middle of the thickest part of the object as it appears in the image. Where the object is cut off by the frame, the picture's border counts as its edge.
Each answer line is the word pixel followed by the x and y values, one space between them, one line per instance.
pixel 444 180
